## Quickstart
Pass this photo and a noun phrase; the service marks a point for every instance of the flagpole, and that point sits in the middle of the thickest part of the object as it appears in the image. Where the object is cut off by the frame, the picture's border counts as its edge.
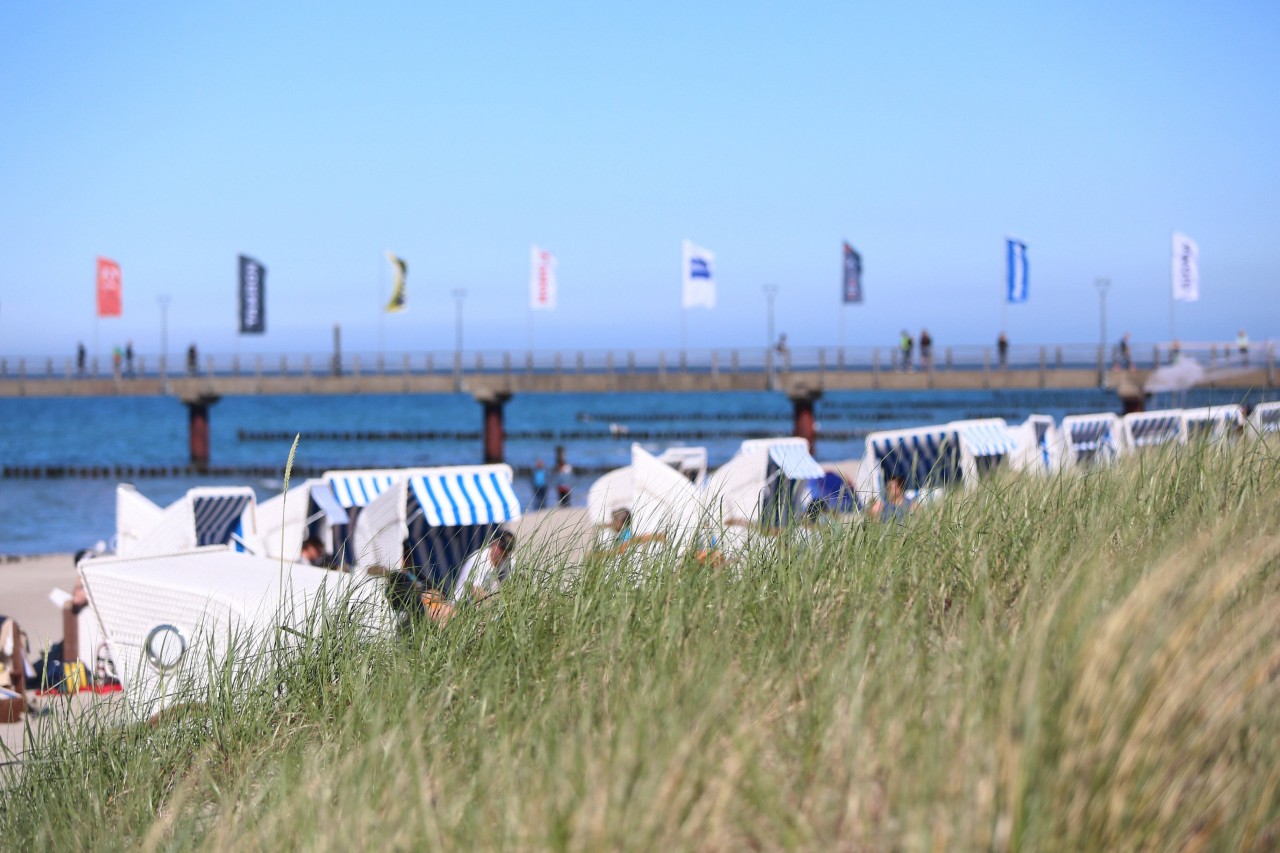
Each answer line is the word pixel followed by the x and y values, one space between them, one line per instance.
pixel 842 307
pixel 684 320
pixel 1172 333
pixel 382 298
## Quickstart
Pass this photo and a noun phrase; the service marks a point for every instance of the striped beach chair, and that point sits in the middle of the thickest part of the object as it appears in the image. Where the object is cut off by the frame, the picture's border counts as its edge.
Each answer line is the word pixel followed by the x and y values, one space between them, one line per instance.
pixel 433 518
pixel 1153 429
pixel 1096 439
pixel 1213 423
pixel 1265 418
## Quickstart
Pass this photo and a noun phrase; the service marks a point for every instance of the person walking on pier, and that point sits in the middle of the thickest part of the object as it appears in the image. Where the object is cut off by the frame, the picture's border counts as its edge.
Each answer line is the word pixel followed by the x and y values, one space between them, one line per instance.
pixel 80 354
pixel 1122 356
pixel 128 358
pixel 926 350
pixel 192 360
pixel 1002 350
pixel 1242 344
pixel 905 345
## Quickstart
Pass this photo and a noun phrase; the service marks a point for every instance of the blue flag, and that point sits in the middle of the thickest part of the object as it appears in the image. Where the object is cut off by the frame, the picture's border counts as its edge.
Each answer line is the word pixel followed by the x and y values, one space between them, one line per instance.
pixel 1016 267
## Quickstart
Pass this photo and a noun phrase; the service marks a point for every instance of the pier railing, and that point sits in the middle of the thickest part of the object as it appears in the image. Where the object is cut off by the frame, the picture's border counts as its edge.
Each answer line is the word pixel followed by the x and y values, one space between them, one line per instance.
pixel 722 361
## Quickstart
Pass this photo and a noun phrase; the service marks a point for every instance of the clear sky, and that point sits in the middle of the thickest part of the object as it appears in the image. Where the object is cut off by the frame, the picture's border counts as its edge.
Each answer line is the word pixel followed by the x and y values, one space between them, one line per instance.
pixel 174 136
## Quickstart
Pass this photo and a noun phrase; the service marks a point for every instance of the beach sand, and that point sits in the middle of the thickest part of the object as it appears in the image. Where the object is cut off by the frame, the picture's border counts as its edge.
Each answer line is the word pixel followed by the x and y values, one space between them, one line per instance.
pixel 24 595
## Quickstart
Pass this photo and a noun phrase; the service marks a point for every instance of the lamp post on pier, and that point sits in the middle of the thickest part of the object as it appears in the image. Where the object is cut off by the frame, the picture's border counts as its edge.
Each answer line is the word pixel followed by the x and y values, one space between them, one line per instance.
pixel 770 293
pixel 459 295
pixel 164 301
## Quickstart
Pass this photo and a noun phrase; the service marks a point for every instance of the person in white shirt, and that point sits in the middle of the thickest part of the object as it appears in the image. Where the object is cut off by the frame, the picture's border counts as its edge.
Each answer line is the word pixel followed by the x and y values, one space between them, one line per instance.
pixel 485 570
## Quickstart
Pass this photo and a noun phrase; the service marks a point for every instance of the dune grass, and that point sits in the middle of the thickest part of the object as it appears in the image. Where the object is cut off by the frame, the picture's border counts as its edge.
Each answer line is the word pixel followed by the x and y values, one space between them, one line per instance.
pixel 1083 663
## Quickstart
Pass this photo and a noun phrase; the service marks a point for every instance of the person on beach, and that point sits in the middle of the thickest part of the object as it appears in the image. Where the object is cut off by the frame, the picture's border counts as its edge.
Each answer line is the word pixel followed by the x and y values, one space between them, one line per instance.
pixel 485 570
pixel 312 553
pixel 1002 350
pixel 895 506
pixel 564 477
pixel 905 344
pixel 13 661
pixel 539 485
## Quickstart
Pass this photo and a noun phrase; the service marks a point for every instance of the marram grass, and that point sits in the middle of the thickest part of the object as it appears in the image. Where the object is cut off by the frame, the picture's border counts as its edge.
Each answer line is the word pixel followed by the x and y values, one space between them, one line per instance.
pixel 1089 662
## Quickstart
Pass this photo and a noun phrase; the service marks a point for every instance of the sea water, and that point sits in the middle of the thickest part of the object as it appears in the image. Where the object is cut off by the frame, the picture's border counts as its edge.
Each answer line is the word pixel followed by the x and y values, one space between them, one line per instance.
pixel 65 514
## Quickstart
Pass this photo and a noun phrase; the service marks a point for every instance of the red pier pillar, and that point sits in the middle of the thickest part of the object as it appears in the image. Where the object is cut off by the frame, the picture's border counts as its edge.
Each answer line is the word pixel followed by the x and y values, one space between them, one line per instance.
pixel 493 403
pixel 803 399
pixel 198 428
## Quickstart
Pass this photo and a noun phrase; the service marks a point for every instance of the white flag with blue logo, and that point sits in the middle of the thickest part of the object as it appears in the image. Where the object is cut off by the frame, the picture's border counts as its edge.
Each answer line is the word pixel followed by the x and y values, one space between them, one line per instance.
pixel 1016 267
pixel 1186 269
pixel 698 275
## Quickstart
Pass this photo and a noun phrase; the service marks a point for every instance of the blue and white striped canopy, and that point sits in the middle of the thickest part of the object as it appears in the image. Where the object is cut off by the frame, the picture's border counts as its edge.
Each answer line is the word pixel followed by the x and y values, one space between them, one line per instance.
pixel 795 462
pixel 930 459
pixel 990 439
pixel 1155 430
pixel 328 503
pixel 217 517
pixel 458 500
pixel 1091 435
pixel 359 489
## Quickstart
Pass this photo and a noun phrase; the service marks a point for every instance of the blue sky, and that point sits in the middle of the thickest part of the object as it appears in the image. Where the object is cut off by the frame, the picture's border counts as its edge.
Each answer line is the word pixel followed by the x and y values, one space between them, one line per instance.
pixel 172 137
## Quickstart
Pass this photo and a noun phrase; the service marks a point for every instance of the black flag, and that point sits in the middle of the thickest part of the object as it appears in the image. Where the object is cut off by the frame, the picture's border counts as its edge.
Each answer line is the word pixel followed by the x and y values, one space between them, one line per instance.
pixel 851 279
pixel 253 290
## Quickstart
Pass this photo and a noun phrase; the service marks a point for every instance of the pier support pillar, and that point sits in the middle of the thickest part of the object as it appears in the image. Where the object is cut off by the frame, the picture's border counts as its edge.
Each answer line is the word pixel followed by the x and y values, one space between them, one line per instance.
pixel 493 403
pixel 198 428
pixel 802 400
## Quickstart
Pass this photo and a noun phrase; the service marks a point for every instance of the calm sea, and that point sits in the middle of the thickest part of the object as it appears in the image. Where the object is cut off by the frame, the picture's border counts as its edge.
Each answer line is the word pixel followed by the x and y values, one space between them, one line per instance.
pixel 57 515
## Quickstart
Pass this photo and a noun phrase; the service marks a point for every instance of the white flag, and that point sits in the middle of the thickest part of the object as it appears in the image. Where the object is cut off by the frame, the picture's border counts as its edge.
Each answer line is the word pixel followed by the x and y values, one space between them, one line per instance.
pixel 698 275
pixel 542 280
pixel 1186 269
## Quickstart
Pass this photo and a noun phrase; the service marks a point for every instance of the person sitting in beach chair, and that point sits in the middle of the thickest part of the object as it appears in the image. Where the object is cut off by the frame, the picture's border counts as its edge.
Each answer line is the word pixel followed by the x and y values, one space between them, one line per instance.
pixel 623 536
pixel 895 506
pixel 13 670
pixel 485 570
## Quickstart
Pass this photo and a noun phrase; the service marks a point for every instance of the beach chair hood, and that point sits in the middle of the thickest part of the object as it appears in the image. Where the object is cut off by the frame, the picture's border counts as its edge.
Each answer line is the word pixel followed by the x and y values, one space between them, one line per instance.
pixel 136 516
pixel 736 489
pixel 663 499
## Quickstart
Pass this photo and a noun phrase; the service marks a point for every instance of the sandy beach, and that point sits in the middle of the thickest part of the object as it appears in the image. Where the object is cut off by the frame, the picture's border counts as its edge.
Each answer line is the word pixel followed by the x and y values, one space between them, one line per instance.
pixel 24 595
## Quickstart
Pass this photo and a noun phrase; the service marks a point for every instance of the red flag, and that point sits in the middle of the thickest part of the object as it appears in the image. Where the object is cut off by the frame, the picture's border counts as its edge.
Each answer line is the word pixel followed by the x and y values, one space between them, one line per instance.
pixel 110 288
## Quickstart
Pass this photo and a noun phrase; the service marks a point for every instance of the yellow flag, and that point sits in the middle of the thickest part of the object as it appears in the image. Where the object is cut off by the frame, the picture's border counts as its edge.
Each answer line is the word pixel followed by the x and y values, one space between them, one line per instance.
pixel 397 292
